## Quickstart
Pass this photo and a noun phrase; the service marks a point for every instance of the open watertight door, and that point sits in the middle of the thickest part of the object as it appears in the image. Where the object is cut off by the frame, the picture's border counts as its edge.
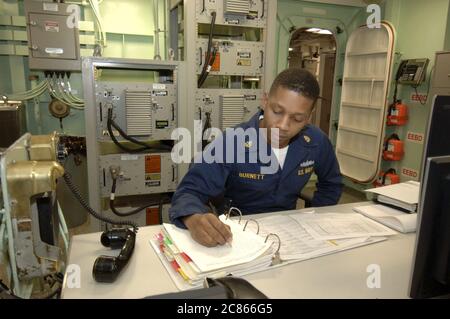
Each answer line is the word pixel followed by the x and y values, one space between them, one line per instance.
pixel 367 69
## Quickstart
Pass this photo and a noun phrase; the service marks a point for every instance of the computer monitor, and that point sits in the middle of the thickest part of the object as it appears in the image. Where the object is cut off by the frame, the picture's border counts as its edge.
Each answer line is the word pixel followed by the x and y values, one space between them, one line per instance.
pixel 430 273
pixel 438 130
pixel 431 264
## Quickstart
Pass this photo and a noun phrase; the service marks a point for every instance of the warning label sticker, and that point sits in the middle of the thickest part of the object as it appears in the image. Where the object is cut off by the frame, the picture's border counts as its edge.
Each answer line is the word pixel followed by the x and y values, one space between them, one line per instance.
pixel 216 64
pixel 244 62
pixel 152 177
pixel 51 26
pixel 153 170
pixel 152 164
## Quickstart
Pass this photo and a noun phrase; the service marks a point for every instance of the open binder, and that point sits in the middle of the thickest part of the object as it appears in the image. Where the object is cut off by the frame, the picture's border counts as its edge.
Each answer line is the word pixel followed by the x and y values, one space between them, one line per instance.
pixel 189 263
pixel 258 245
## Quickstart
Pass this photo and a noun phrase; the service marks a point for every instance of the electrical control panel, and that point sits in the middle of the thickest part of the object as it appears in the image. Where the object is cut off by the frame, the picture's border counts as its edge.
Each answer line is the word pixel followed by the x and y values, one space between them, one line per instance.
pixel 139 174
pixel 138 102
pixel 233 12
pixel 147 111
pixel 227 108
pixel 233 57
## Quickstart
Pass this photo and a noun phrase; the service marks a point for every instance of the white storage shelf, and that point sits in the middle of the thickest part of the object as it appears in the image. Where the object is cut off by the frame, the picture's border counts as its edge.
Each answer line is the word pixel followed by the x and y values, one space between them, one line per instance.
pixel 360 118
pixel 361 106
pixel 363 102
pixel 357 130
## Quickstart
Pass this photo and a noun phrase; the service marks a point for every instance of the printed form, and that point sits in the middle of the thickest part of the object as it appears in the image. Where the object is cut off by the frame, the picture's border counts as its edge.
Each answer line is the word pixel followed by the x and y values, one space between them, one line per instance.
pixel 329 226
pixel 297 243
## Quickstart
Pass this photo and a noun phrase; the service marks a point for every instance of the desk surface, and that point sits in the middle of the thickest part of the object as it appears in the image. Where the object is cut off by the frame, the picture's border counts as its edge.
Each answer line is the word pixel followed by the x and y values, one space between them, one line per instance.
pixel 340 275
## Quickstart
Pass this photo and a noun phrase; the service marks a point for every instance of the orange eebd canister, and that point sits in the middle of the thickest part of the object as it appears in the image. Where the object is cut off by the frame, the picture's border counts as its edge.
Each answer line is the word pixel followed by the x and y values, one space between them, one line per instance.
pixel 397 114
pixel 389 177
pixel 393 148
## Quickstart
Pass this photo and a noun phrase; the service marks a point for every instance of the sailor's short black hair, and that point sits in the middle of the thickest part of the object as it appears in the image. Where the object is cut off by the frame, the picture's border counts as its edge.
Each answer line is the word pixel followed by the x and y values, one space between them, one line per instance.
pixel 298 80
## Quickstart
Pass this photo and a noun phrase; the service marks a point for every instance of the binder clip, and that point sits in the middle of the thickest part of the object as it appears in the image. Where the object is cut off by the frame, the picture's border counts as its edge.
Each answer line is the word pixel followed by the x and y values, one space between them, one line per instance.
pixel 276 259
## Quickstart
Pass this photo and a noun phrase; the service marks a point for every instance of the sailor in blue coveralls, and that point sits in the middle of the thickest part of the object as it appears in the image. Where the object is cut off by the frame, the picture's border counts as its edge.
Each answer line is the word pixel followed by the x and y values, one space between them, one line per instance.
pixel 301 150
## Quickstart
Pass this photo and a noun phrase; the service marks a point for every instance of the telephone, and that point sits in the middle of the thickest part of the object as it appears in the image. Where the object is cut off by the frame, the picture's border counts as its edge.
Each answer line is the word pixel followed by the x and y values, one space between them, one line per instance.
pixel 107 268
pixel 412 71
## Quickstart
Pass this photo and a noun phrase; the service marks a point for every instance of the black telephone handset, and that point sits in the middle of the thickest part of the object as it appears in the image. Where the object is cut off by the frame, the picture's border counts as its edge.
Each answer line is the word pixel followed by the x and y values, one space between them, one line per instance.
pixel 401 70
pixel 107 268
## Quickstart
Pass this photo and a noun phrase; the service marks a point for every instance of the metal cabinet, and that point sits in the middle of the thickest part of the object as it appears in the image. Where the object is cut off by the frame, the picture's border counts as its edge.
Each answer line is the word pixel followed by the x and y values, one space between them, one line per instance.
pixel 441 78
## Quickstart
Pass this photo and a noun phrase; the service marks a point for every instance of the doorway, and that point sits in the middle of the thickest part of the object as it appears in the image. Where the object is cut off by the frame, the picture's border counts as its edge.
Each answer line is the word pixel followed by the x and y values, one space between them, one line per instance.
pixel 314 49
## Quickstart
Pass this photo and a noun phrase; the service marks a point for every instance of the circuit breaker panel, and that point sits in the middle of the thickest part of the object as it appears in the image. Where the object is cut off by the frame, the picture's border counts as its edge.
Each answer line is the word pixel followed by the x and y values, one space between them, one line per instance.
pixel 53 36
pixel 131 111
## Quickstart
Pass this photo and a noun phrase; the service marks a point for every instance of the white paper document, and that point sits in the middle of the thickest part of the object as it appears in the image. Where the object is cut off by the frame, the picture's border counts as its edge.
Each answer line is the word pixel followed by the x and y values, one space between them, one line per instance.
pixel 331 226
pixel 297 243
pixel 398 220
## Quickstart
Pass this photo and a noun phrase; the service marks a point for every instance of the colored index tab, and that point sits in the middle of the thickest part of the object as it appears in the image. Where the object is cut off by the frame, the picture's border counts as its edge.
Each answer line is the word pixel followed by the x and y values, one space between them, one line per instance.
pixel 186 257
pixel 175 265
pixel 189 261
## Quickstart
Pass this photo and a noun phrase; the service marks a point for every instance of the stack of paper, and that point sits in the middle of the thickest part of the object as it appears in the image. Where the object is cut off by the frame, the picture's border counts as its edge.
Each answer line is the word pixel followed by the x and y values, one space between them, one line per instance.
pixel 189 263
pixel 398 220
pixel 402 195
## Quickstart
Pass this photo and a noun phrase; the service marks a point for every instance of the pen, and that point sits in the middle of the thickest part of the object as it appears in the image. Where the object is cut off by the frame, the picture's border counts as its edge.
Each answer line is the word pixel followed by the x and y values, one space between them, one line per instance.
pixel 214 211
